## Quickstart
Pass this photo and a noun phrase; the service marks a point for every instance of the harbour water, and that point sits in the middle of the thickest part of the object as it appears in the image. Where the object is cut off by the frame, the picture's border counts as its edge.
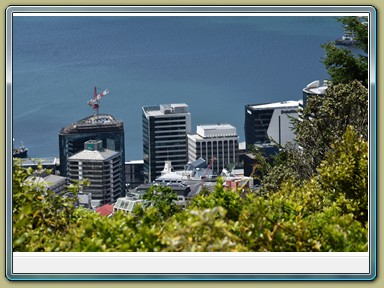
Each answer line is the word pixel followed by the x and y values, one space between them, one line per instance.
pixel 216 65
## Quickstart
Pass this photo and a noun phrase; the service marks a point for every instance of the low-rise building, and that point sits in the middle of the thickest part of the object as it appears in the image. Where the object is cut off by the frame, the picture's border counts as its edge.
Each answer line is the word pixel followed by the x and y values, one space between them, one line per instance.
pixel 48 181
pixel 51 163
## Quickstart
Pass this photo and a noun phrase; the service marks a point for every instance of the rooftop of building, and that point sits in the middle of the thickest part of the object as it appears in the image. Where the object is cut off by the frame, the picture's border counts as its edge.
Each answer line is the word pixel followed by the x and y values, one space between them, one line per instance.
pixel 45 178
pixel 126 204
pixel 100 121
pixel 43 161
pixel 94 155
pixel 166 109
pixel 199 163
pixel 276 105
pixel 218 126
pixel 316 88
pixel 216 130
pixel 105 210
pixel 134 162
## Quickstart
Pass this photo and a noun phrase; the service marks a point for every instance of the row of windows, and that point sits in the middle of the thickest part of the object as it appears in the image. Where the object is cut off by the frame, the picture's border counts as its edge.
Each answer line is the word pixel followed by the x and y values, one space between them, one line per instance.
pixel 168 123
pixel 170 136
pixel 171 129
pixel 168 119
pixel 219 144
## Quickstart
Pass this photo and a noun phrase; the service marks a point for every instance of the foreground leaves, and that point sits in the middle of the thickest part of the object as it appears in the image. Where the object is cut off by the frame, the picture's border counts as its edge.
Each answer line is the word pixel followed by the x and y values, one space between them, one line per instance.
pixel 326 213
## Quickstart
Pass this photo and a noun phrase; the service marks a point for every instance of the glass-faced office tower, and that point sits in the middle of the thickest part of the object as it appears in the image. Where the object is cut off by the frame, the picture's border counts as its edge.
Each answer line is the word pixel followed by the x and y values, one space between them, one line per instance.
pixel 165 129
pixel 102 127
pixel 271 120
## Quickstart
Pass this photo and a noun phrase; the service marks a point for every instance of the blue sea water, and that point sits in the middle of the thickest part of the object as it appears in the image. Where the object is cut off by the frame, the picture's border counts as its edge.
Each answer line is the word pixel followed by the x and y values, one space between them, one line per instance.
pixel 216 65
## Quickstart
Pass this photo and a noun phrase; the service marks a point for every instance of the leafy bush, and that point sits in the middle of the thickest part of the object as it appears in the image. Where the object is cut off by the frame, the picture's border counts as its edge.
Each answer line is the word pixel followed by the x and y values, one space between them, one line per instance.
pixel 326 213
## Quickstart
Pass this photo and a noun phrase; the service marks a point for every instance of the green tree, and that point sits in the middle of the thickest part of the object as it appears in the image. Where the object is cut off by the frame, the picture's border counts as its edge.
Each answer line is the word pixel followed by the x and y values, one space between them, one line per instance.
pixel 326 118
pixel 201 230
pixel 164 199
pixel 345 172
pixel 38 213
pixel 326 213
pixel 342 65
pixel 220 197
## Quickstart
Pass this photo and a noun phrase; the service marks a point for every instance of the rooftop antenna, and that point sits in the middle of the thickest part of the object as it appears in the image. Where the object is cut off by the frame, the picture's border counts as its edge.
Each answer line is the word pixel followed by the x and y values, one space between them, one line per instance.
pixel 94 103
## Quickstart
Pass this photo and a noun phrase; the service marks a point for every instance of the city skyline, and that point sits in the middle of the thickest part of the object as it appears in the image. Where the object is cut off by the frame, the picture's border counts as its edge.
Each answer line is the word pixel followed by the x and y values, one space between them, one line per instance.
pixel 217 66
pixel 221 64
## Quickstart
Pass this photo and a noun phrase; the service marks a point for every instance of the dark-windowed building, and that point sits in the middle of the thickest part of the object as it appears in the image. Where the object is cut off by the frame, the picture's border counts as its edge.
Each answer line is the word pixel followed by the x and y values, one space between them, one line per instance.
pixel 165 129
pixel 102 127
pixel 134 173
pixel 264 122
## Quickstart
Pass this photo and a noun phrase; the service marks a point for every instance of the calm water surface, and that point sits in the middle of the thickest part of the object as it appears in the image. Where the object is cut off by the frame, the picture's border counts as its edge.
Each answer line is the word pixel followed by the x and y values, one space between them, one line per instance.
pixel 214 64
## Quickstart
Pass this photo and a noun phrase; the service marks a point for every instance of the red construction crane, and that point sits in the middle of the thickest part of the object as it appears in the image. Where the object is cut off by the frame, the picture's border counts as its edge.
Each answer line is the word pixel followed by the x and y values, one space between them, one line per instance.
pixel 94 103
pixel 208 168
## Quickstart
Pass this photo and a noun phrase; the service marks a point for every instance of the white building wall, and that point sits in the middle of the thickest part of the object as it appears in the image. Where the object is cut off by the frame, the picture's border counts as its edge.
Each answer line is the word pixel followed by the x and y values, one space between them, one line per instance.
pixel 226 146
pixel 281 127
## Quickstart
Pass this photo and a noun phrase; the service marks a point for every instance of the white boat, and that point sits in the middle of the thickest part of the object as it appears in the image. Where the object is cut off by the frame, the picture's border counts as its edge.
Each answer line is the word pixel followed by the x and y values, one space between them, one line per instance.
pixel 346 39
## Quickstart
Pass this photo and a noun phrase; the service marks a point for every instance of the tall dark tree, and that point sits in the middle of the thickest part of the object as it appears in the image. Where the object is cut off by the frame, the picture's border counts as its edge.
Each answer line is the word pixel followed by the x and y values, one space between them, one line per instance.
pixel 342 65
pixel 326 120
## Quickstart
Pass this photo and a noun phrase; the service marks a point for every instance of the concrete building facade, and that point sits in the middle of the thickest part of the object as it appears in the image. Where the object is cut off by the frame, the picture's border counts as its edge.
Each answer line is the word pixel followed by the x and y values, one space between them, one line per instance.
pixel 217 140
pixel 165 129
pixel 48 181
pixel 103 169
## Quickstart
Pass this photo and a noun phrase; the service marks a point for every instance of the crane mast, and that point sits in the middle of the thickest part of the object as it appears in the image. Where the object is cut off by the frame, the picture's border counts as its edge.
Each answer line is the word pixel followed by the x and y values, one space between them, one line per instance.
pixel 94 103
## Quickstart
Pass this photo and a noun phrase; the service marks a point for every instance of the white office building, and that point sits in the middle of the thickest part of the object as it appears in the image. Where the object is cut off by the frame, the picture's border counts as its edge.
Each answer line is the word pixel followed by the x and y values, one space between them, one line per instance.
pixel 217 140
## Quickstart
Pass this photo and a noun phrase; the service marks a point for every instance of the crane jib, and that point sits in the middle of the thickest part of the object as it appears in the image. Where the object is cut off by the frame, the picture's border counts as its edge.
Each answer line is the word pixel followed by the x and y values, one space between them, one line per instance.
pixel 94 103
pixel 102 94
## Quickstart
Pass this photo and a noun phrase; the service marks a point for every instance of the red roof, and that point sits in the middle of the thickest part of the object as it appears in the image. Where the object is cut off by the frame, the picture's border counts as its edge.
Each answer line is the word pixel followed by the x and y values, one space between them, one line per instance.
pixel 105 210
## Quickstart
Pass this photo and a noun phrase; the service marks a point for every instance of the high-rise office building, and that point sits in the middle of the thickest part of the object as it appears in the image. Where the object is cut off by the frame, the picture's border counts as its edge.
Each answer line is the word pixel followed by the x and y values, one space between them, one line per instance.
pixel 272 120
pixel 165 129
pixel 102 127
pixel 102 167
pixel 219 141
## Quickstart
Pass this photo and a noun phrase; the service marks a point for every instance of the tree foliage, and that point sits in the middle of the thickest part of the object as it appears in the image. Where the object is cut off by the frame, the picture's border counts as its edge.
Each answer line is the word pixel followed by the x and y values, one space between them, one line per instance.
pixel 341 63
pixel 164 199
pixel 324 122
pixel 326 213
pixel 326 118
